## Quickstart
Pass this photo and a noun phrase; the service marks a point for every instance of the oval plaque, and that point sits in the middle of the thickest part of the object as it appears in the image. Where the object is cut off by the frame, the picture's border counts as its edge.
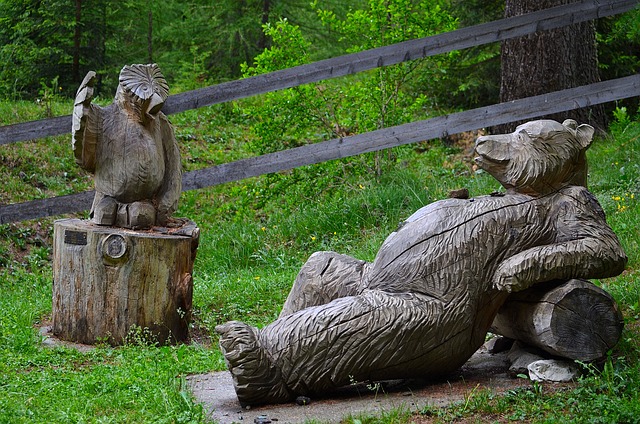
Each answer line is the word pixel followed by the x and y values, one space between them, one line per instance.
pixel 114 247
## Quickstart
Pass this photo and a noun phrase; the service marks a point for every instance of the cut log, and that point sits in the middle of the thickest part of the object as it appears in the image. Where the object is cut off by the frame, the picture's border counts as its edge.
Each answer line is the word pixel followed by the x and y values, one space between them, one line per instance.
pixel 574 319
pixel 109 281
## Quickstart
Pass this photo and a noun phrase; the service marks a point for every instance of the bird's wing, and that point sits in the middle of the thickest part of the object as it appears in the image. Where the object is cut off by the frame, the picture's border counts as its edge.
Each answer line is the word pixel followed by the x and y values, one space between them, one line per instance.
pixel 85 124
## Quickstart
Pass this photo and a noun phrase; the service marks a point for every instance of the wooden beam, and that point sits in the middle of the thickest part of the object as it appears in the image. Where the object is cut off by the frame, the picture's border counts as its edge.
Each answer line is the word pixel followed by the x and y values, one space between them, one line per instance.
pixel 528 108
pixel 310 154
pixel 476 35
pixel 41 208
pixel 33 130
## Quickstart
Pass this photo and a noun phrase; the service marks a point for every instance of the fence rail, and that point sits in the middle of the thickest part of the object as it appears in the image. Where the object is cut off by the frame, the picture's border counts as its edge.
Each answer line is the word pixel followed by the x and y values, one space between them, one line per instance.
pixel 556 17
pixel 528 108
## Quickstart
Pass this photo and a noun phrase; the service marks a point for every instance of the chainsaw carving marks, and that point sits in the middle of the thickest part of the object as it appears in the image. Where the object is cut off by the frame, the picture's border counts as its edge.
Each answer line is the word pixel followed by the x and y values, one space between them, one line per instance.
pixel 131 148
pixel 424 305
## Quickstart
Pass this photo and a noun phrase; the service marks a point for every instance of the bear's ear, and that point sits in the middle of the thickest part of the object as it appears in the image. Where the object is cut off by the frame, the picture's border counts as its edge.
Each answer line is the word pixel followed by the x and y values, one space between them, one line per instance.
pixel 584 134
pixel 570 123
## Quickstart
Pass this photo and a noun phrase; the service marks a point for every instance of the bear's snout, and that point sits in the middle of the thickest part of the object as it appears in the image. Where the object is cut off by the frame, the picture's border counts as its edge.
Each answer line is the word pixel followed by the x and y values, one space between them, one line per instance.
pixel 493 148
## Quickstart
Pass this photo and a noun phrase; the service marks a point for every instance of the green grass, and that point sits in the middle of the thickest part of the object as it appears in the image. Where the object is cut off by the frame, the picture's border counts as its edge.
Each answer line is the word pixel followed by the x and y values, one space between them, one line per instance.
pixel 255 236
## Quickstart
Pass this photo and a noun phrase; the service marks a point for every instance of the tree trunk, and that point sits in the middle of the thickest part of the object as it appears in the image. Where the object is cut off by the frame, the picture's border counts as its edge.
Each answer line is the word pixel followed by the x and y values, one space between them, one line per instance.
pixel 110 281
pixel 548 61
pixel 150 36
pixel 266 9
pixel 77 34
pixel 575 319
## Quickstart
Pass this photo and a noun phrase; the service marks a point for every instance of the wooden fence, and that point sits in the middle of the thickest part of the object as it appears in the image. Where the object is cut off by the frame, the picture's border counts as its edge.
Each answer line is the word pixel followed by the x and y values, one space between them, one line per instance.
pixel 349 64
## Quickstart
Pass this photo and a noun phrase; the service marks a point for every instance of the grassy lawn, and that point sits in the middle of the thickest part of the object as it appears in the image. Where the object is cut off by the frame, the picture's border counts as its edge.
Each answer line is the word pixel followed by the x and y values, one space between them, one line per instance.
pixel 255 235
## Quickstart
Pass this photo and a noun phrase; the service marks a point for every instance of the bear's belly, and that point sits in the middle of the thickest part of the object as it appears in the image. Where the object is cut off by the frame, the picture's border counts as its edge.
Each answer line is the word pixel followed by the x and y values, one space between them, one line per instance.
pixel 132 168
pixel 448 251
pixel 452 248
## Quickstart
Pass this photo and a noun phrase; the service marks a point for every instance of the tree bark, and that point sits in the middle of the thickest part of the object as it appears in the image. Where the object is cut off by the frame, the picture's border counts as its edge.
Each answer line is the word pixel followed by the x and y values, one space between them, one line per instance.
pixel 266 8
pixel 150 36
pixel 574 319
pixel 77 34
pixel 110 281
pixel 548 61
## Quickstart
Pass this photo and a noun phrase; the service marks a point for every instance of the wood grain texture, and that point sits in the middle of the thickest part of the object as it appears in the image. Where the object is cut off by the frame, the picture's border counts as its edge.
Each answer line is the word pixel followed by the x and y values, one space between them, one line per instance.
pixel 41 208
pixel 131 149
pixel 496 31
pixel 106 280
pixel 574 319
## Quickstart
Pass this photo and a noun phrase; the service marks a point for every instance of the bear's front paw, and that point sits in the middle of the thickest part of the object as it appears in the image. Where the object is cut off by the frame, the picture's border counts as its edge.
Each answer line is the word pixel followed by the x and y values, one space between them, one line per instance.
pixel 505 280
pixel 503 283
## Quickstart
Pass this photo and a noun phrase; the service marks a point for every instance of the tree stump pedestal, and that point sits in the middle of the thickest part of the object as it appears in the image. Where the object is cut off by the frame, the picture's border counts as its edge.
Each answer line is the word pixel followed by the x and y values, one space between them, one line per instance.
pixel 108 281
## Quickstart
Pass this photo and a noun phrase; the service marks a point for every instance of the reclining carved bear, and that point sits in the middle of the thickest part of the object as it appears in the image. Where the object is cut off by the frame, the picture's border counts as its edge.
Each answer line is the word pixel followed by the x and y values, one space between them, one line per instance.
pixel 426 302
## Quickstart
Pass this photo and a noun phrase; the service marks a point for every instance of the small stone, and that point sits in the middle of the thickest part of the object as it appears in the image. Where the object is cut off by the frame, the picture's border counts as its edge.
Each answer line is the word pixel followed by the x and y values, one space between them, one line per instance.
pixel 303 400
pixel 554 370
pixel 521 356
pixel 461 193
pixel 261 419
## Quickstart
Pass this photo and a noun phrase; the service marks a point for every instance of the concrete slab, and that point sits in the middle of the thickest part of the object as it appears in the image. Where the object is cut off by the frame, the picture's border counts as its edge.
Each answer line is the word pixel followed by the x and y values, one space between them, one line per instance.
pixel 484 370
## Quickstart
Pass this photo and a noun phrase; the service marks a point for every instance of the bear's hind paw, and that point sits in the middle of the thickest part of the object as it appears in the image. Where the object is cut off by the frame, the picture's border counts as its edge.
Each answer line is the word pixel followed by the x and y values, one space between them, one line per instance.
pixel 256 378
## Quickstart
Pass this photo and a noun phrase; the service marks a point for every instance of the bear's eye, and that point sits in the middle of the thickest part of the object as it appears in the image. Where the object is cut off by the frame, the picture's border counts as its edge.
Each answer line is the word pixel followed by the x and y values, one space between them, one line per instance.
pixel 523 136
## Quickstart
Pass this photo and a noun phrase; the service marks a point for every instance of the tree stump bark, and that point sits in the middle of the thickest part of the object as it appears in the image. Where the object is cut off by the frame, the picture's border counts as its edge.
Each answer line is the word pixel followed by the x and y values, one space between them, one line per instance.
pixel 108 281
pixel 573 319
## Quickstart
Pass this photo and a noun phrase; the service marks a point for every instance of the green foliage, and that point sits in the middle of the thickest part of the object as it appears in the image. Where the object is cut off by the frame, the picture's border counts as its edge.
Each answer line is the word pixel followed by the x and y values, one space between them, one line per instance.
pixel 37 44
pixel 395 415
pixel 472 77
pixel 618 40
pixel 192 73
pixel 289 49
pixel 619 44
pixel 130 384
pixel 27 174
pixel 30 40
pixel 331 109
pixel 198 44
pixel 284 117
pixel 387 96
pixel 194 42
pixel 256 234
pixel 135 383
pixel 604 394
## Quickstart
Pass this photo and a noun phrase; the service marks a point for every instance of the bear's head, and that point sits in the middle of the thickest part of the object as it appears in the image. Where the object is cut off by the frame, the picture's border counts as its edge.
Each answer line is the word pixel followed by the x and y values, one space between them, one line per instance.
pixel 539 157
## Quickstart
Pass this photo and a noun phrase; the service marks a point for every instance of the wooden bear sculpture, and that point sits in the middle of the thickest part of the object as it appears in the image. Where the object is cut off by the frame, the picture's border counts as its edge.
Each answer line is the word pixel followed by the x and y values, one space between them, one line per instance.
pixel 424 305
pixel 131 148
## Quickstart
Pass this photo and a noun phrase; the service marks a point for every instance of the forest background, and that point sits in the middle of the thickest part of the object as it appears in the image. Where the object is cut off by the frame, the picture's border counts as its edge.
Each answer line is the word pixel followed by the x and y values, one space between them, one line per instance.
pixel 256 233
pixel 47 46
